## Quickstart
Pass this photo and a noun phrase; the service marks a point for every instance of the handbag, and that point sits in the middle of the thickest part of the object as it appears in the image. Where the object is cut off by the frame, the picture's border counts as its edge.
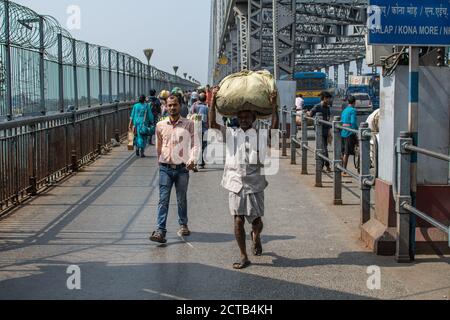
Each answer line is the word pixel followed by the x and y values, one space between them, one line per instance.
pixel 145 130
pixel 130 140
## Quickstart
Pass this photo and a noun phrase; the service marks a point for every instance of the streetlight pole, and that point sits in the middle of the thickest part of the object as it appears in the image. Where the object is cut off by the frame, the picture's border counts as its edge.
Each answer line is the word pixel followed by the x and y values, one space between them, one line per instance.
pixel 175 68
pixel 148 54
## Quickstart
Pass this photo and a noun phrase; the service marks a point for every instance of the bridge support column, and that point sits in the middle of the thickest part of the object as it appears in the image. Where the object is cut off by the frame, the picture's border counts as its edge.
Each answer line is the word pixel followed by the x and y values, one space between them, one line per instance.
pixel 284 32
pixel 255 29
pixel 242 19
pixel 327 71
pixel 336 75
pixel 228 53
pixel 234 50
pixel 359 66
pixel 347 72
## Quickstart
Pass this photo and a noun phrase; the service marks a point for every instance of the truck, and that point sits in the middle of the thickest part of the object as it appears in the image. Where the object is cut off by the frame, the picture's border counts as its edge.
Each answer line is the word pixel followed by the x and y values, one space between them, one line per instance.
pixel 368 84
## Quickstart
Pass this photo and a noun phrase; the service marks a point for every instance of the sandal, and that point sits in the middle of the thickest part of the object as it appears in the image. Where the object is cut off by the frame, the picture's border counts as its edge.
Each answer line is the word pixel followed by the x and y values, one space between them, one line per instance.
pixel 256 245
pixel 241 265
pixel 158 237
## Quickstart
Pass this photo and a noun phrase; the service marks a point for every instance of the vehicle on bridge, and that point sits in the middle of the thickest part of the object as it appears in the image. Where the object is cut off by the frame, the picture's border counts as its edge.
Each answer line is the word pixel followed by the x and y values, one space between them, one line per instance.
pixel 368 84
pixel 363 102
pixel 310 85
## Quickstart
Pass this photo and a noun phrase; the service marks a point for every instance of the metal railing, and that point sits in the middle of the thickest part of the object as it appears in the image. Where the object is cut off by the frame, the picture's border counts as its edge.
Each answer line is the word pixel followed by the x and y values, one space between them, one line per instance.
pixel 404 208
pixel 364 177
pixel 44 70
pixel 36 152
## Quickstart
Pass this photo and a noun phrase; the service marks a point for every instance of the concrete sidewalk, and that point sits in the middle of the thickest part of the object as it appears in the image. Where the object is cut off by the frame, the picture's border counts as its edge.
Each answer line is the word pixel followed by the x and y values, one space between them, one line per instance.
pixel 101 218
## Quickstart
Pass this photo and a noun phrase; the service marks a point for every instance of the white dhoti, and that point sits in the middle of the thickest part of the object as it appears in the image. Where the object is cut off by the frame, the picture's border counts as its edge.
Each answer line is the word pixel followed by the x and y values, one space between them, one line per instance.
pixel 251 205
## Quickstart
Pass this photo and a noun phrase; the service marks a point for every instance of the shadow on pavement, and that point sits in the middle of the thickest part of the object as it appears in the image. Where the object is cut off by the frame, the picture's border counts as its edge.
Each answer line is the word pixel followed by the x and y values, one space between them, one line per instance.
pixel 346 258
pixel 54 227
pixel 158 281
pixel 203 237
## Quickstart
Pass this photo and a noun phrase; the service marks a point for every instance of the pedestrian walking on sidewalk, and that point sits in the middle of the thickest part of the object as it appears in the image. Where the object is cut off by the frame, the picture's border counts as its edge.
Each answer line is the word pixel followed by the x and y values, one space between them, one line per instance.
pixel 349 139
pixel 201 109
pixel 244 181
pixel 324 107
pixel 177 153
pixel 155 105
pixel 142 123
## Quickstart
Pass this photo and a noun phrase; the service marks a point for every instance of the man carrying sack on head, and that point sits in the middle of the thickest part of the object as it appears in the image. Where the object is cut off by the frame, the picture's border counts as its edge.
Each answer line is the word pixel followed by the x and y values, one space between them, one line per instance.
pixel 242 177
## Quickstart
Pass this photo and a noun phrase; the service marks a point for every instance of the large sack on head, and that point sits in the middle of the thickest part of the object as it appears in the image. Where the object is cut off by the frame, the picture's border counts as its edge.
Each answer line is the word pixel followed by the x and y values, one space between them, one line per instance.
pixel 246 90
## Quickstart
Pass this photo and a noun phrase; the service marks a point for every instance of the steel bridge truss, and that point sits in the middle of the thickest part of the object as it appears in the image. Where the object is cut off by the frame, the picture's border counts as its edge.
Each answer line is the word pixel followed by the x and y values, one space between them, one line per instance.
pixel 300 35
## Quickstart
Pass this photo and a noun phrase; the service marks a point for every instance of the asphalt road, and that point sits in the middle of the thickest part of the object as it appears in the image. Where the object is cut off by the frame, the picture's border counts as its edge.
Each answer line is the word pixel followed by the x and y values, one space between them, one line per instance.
pixel 100 221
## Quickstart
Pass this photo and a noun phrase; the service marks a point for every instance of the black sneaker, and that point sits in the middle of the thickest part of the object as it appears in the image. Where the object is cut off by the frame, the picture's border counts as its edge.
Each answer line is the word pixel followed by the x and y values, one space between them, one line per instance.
pixel 158 237
pixel 138 152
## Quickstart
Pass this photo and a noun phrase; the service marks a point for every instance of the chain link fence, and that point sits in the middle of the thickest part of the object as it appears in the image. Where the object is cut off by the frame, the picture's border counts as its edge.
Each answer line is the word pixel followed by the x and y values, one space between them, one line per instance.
pixel 44 70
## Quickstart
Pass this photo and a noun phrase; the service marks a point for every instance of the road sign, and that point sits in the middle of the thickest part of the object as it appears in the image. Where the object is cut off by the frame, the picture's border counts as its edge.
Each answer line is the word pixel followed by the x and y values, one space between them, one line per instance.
pixel 359 80
pixel 409 22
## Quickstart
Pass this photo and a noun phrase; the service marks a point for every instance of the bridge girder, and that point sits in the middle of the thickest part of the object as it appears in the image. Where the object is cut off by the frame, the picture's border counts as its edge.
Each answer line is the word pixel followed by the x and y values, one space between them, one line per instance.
pixel 304 28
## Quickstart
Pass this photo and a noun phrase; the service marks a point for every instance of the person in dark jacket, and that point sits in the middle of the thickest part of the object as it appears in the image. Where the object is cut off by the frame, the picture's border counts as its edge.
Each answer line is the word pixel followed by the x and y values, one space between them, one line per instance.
pixel 324 107
pixel 155 105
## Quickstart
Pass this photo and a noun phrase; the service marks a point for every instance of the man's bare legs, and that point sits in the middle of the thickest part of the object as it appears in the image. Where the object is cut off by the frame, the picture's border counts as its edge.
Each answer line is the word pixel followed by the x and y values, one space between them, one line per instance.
pixel 257 228
pixel 239 232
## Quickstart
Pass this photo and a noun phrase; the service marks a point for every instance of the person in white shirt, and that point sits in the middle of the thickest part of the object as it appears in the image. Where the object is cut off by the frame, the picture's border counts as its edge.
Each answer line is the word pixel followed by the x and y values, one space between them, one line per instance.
pixel 299 102
pixel 244 180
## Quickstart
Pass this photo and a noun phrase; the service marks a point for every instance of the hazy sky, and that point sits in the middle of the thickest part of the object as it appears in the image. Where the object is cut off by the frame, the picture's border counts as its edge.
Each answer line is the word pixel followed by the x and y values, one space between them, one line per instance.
pixel 178 30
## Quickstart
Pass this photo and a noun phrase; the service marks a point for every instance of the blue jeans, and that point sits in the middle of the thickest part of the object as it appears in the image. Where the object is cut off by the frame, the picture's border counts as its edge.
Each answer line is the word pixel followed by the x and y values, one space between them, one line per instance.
pixel 167 178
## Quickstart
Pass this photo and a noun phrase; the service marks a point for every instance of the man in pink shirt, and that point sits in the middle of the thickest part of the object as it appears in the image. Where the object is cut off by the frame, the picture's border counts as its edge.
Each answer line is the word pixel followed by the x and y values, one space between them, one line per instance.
pixel 177 153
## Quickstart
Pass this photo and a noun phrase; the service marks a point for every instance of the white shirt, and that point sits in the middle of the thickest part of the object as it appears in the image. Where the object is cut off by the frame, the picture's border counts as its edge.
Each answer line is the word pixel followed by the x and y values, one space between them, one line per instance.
pixel 243 170
pixel 299 103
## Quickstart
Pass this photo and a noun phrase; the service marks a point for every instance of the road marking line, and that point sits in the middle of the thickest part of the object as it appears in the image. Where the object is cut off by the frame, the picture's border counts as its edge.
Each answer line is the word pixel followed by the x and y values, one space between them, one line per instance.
pixel 188 243
pixel 164 294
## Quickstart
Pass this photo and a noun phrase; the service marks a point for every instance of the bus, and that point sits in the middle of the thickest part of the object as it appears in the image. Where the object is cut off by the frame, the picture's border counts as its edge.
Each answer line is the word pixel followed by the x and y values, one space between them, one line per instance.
pixel 310 85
